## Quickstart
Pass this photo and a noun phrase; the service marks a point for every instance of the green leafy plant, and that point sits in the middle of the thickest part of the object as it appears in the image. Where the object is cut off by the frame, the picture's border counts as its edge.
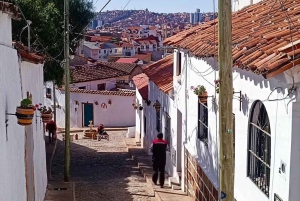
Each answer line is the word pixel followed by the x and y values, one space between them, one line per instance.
pixel 199 90
pixel 26 103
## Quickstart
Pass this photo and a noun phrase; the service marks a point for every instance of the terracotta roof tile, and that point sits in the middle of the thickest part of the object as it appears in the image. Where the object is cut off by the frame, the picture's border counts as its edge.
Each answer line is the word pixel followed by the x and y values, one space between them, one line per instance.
pixel 32 56
pixel 161 73
pixel 265 37
pixel 127 60
pixel 100 70
pixel 10 9
pixel 141 82
pixel 118 92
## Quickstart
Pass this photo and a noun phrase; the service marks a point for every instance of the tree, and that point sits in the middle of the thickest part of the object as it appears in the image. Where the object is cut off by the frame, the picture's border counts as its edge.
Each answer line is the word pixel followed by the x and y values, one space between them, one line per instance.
pixel 47 17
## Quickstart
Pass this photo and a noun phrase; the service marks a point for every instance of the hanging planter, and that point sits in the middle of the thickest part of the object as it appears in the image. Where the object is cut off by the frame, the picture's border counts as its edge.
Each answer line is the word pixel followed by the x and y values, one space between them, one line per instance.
pixel 141 107
pixel 135 107
pixel 109 102
pixel 201 92
pixel 203 97
pixel 46 114
pixel 148 102
pixel 25 112
pixel 157 105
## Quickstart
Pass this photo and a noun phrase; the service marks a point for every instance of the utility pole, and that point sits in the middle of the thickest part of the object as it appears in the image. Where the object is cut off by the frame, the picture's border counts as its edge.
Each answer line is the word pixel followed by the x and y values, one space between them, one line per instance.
pixel 67 92
pixel 226 95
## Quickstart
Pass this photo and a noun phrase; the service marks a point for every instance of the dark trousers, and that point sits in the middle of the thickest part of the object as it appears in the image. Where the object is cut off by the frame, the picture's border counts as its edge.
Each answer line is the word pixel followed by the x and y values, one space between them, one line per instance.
pixel 51 136
pixel 159 167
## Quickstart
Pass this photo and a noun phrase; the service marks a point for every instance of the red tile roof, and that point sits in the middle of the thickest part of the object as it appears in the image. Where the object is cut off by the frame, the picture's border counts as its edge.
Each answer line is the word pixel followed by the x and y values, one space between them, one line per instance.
pixel 265 37
pixel 32 56
pixel 118 92
pixel 127 60
pixel 10 9
pixel 127 45
pixel 143 56
pixel 100 71
pixel 141 82
pixel 99 38
pixel 161 73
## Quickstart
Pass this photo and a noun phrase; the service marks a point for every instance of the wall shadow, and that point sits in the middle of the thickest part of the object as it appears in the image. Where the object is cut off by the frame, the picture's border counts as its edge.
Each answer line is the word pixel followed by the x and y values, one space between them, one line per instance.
pixel 106 174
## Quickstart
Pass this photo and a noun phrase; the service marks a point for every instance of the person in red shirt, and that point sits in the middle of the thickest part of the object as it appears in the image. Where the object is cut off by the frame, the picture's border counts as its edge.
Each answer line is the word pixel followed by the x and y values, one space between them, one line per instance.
pixel 159 147
pixel 51 128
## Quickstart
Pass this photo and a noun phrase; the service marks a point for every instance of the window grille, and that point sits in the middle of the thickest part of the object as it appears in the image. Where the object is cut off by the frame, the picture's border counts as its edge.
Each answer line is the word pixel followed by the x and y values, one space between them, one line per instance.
pixel 158 120
pixel 259 153
pixel 202 122
pixel 167 128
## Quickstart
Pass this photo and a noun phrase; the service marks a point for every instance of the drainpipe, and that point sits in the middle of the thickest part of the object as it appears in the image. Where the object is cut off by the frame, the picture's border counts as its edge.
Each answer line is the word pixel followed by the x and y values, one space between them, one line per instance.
pixel 185 111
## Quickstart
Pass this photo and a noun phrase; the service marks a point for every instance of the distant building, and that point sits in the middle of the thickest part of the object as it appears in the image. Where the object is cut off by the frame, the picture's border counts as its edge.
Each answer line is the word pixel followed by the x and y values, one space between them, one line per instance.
pixel 196 17
pixel 192 18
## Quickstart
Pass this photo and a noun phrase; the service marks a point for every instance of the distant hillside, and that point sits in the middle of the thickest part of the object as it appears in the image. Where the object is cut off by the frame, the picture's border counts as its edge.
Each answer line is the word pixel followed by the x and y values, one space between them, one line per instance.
pixel 143 17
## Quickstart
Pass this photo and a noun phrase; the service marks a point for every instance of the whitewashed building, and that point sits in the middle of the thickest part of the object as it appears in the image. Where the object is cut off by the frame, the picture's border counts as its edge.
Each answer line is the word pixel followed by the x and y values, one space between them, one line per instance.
pixel 22 149
pixel 102 92
pixel 265 106
pixel 158 80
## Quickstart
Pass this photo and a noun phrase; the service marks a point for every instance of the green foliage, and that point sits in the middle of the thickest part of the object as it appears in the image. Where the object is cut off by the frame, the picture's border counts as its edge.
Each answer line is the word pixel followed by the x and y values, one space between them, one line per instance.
pixel 47 18
pixel 199 90
pixel 25 103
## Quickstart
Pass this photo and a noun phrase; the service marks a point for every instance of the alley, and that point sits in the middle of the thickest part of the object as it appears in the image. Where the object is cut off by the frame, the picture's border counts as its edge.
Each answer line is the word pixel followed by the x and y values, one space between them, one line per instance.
pixel 102 170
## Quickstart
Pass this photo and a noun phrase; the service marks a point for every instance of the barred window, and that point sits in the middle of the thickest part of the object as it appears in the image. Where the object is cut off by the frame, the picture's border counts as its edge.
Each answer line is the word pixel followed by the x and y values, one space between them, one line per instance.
pixel 158 120
pixel 167 127
pixel 202 122
pixel 259 153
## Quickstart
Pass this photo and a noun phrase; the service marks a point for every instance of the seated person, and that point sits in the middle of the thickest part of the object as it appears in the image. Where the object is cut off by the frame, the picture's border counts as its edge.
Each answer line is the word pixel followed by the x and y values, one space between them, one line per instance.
pixel 101 130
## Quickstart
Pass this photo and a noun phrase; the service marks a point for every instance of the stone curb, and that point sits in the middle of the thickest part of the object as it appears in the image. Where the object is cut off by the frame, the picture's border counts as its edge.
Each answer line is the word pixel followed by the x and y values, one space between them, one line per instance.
pixel 51 160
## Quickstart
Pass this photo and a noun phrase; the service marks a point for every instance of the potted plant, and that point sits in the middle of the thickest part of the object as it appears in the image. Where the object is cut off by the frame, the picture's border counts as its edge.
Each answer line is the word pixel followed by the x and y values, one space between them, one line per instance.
pixel 135 107
pixel 109 102
pixel 25 112
pixel 201 92
pixel 148 102
pixel 46 113
pixel 141 107
pixel 157 105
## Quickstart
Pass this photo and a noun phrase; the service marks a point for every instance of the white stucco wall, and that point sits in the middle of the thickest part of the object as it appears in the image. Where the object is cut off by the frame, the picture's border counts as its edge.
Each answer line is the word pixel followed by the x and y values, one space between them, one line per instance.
pixel 12 139
pixel 253 87
pixel 32 81
pixel 12 170
pixel 167 107
pixel 239 4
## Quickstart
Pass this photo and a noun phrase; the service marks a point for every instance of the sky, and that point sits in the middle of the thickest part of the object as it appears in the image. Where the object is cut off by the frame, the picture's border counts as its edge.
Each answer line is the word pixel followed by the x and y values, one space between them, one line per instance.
pixel 160 6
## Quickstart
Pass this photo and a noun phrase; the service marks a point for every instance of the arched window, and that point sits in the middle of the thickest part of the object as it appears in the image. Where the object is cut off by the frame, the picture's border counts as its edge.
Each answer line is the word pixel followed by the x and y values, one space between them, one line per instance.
pixel 259 147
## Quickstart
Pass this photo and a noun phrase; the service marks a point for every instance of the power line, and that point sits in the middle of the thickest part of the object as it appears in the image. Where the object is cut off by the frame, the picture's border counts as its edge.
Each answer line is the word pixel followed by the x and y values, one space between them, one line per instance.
pixel 96 15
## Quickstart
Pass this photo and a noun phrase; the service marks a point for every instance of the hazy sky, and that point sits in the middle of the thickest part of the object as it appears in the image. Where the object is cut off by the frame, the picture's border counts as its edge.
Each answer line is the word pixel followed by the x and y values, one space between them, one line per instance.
pixel 161 6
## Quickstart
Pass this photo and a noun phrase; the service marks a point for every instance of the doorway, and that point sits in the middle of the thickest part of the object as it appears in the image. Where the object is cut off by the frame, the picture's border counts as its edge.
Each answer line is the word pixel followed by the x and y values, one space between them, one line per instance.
pixel 88 114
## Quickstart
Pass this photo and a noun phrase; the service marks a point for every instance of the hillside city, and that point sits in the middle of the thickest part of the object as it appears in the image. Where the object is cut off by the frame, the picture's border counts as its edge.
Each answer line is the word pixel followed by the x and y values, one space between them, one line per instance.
pixel 137 105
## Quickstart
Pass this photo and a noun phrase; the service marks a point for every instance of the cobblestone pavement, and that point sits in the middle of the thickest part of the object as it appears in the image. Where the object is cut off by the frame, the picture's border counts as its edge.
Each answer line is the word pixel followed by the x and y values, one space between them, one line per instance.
pixel 102 171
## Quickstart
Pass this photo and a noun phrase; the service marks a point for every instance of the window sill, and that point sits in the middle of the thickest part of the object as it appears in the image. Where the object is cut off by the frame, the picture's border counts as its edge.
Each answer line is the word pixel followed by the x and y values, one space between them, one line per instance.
pixel 178 79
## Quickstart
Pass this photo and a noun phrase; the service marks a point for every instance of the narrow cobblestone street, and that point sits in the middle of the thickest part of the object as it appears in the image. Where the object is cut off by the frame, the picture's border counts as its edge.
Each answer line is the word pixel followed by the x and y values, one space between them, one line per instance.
pixel 102 171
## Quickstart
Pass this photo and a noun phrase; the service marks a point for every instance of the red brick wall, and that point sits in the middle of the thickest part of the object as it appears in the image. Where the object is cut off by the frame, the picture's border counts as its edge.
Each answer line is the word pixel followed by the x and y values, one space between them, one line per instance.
pixel 197 184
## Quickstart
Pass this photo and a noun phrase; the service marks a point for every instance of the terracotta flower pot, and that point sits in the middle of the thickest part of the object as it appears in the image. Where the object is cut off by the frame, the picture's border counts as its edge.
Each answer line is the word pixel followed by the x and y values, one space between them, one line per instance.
pixel 24 116
pixel 135 107
pixel 46 117
pixel 203 97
